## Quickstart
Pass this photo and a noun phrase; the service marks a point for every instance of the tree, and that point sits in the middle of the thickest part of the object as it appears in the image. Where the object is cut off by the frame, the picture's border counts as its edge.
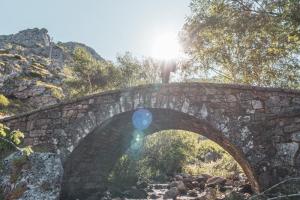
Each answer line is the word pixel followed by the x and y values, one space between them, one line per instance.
pixel 136 72
pixel 89 75
pixel 10 140
pixel 245 41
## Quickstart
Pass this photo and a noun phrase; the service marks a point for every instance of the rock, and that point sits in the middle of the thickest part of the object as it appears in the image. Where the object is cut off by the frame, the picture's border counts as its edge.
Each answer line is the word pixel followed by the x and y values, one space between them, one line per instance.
pixel 106 195
pixel 202 178
pixel 141 185
pixel 153 196
pixel 149 190
pixel 160 186
pixel 181 187
pixel 211 156
pixel 171 193
pixel 135 193
pixel 245 189
pixel 173 184
pixel 36 177
pixel 214 181
pixel 234 196
pixel 192 193
pixel 26 73
pixel 178 177
pixel 196 184
pixel 208 194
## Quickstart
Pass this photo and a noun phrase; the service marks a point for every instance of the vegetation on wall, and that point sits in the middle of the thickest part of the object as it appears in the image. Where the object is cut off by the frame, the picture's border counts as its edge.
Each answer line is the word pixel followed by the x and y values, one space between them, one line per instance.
pixel 11 141
pixel 4 102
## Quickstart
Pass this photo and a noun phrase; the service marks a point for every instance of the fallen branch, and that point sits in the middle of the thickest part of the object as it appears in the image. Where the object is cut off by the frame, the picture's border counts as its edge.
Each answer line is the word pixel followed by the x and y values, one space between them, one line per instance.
pixel 274 186
pixel 284 196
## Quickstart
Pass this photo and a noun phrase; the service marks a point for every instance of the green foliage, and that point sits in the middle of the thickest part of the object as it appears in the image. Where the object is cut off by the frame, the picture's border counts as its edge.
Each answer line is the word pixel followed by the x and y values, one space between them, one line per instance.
pixel 248 41
pixel 88 75
pixel 166 153
pixel 4 102
pixel 136 72
pixel 205 146
pixel 226 166
pixel 56 91
pixel 10 140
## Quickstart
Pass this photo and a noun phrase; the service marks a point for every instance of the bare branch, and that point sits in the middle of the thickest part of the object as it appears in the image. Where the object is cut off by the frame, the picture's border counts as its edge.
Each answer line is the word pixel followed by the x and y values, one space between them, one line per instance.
pixel 284 196
pixel 274 186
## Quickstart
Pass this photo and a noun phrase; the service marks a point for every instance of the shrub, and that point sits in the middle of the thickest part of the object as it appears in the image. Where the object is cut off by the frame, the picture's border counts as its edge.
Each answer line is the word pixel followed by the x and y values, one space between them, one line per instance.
pixel 3 101
pixel 10 140
pixel 166 153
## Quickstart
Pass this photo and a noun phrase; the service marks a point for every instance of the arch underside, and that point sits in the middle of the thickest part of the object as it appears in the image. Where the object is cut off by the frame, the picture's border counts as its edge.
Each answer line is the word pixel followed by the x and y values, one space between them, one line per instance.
pixel 88 166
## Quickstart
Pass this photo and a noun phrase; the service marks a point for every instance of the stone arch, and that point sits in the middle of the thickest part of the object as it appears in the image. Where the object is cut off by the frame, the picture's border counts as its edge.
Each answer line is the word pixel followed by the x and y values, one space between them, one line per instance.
pixel 87 167
pixel 263 124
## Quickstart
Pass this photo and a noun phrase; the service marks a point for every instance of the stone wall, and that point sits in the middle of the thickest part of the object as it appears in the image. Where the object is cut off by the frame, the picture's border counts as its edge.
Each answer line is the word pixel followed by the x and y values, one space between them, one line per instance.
pixel 259 127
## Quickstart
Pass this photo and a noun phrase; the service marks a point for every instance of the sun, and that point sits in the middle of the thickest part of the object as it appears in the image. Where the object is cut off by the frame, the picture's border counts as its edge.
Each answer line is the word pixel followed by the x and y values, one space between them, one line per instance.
pixel 165 46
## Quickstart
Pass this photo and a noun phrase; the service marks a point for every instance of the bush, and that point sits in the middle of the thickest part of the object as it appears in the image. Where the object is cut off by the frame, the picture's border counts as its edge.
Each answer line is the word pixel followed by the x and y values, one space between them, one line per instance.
pixel 10 140
pixel 3 101
pixel 166 153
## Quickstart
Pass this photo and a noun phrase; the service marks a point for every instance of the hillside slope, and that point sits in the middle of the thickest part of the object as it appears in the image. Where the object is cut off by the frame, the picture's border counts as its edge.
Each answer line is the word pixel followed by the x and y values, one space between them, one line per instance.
pixel 32 69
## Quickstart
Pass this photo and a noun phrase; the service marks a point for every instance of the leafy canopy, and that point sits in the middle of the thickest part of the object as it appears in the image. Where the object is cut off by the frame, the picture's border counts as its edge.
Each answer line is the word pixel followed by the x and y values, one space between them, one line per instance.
pixel 246 41
pixel 89 75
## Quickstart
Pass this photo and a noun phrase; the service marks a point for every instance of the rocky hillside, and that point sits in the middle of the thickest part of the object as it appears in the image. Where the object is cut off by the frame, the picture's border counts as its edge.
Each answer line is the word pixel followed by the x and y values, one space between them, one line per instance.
pixel 32 69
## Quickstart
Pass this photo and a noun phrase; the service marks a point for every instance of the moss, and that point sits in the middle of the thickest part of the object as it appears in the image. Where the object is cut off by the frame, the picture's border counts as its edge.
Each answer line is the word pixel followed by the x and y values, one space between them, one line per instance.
pixel 4 102
pixel 57 93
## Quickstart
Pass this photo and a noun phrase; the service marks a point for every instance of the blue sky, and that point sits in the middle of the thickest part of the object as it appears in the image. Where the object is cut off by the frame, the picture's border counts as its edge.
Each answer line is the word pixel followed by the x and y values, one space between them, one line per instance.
pixel 108 26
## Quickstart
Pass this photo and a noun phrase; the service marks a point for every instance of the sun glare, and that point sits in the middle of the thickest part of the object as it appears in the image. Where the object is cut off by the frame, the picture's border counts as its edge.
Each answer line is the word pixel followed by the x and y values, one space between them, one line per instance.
pixel 166 46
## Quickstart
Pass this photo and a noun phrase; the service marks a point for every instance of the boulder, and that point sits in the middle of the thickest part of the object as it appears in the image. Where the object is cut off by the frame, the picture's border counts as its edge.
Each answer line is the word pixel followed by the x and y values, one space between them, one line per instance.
pixel 141 185
pixel 202 178
pixel 214 181
pixel 135 193
pixel 192 193
pixel 37 176
pixel 208 194
pixel 211 156
pixel 181 187
pixel 153 196
pixel 171 193
pixel 178 177
pixel 246 188
pixel 234 196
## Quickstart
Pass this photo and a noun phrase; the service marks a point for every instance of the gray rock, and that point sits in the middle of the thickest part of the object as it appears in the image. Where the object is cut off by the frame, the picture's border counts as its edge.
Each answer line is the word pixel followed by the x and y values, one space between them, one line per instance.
pixel 134 193
pixel 181 187
pixel 28 58
pixel 36 177
pixel 192 193
pixel 211 156
pixel 171 193
pixel 214 181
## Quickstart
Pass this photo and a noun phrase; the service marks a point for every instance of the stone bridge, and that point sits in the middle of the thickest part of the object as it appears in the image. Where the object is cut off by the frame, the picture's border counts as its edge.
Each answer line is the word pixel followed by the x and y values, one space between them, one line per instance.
pixel 259 127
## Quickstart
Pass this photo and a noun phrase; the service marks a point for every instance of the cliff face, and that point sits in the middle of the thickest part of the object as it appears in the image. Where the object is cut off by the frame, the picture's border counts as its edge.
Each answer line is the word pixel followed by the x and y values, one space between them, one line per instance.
pixel 32 68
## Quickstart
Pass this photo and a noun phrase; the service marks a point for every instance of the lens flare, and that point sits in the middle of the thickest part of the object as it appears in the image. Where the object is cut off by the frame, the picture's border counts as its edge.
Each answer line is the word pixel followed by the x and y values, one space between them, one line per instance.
pixel 141 119
pixel 138 140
